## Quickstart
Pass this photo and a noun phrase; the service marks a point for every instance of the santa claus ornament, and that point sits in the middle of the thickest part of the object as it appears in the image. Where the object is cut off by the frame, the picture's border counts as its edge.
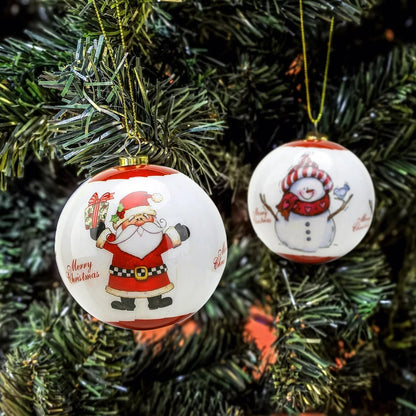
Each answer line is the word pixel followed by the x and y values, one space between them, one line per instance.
pixel 311 200
pixel 140 246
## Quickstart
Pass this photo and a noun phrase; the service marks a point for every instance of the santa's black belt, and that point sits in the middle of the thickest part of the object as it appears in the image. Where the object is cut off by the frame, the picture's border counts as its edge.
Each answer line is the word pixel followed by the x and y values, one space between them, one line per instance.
pixel 139 273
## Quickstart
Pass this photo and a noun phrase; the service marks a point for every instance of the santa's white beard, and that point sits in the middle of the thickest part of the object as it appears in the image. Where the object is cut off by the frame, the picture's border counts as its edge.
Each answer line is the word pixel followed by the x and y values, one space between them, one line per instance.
pixel 139 241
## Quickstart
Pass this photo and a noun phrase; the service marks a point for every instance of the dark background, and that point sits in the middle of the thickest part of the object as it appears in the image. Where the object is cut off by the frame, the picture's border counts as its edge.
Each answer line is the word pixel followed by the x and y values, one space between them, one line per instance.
pixel 16 14
pixel 397 15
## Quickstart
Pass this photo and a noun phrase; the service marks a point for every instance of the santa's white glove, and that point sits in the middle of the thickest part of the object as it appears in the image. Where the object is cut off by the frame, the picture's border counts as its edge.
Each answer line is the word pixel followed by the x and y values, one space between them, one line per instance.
pixel 103 238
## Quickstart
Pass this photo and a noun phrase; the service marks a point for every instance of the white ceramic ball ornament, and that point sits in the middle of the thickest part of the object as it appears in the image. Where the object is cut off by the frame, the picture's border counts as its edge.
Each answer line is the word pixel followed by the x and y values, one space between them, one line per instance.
pixel 311 201
pixel 140 246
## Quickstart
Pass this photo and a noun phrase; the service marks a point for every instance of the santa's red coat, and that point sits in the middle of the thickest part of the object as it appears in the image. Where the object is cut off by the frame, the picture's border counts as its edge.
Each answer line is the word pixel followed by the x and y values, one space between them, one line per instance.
pixel 130 287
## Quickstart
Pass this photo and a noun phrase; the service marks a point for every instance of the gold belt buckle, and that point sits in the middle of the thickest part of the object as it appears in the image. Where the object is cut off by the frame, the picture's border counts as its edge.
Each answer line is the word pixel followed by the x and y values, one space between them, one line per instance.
pixel 137 276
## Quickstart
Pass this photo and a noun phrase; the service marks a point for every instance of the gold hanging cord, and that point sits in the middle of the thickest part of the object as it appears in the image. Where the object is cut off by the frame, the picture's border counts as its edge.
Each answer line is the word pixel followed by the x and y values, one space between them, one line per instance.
pixel 136 134
pixel 316 120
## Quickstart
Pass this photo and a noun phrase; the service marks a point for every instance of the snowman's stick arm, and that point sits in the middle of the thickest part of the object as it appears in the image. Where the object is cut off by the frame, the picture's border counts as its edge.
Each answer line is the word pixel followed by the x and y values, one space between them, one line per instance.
pixel 341 208
pixel 267 206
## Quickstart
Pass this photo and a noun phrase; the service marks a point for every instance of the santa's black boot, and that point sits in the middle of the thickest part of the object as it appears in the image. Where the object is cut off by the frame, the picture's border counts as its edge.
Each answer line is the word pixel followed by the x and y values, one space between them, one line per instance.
pixel 126 304
pixel 156 302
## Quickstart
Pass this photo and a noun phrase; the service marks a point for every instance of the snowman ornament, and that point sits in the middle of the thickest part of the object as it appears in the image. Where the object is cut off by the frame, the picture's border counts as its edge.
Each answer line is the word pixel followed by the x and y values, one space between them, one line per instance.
pixel 311 201
pixel 306 204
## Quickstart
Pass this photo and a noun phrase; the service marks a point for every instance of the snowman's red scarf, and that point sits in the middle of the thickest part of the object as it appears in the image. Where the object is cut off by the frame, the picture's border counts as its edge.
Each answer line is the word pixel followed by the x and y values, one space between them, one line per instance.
pixel 291 203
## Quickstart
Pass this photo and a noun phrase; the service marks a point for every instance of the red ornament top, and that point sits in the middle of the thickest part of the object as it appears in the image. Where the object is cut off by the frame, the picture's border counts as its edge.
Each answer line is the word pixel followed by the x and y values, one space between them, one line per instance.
pixel 133 171
pixel 317 143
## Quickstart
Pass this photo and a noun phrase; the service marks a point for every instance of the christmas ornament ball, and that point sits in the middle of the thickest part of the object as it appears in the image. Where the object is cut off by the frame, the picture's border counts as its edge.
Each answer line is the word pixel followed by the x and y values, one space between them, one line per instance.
pixel 311 201
pixel 140 246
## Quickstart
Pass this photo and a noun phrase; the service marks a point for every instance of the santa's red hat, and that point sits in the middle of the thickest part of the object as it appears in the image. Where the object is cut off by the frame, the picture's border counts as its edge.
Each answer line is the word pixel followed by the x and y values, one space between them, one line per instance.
pixel 307 169
pixel 133 204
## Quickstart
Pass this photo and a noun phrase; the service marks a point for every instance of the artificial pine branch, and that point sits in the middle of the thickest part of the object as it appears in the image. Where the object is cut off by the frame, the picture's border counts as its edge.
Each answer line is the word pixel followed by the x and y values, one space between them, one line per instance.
pixel 66 362
pixel 336 303
pixel 399 337
pixel 204 371
pixel 23 118
pixel 80 17
pixel 351 382
pixel 15 291
pixel 381 115
pixel 22 103
pixel 375 106
pixel 176 122
pixel 249 20
pixel 238 289
pixel 31 236
pixel 247 85
pixel 363 279
pixel 27 227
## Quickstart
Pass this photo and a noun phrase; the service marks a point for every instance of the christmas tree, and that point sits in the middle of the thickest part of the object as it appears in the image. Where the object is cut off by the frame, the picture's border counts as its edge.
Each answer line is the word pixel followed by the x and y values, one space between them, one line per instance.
pixel 215 86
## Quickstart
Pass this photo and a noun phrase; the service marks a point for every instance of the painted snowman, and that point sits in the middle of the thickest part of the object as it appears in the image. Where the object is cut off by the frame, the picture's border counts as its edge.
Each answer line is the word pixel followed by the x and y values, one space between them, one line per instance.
pixel 303 219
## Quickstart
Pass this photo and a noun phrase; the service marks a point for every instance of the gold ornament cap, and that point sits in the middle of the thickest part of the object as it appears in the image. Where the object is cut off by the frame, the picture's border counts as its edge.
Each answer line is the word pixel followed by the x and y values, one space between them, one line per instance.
pixel 133 160
pixel 316 137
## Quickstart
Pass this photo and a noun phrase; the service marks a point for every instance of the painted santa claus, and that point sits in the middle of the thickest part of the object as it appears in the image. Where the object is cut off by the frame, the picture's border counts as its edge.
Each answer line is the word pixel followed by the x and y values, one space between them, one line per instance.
pixel 137 269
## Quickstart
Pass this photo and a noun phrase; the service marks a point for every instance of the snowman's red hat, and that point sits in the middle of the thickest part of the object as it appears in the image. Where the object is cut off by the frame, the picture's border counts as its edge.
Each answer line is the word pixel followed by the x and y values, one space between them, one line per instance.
pixel 133 204
pixel 307 169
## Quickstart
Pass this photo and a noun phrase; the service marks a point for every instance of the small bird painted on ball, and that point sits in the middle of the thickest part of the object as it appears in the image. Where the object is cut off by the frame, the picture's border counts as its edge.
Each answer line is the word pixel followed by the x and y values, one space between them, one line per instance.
pixel 340 193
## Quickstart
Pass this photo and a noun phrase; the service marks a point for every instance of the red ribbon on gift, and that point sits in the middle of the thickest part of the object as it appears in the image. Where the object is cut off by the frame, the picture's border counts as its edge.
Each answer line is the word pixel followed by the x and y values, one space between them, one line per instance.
pixel 96 201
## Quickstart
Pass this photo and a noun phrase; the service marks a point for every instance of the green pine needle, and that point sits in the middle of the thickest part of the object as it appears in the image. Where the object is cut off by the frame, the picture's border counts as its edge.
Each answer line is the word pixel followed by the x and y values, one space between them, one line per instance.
pixel 177 122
